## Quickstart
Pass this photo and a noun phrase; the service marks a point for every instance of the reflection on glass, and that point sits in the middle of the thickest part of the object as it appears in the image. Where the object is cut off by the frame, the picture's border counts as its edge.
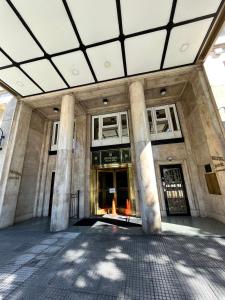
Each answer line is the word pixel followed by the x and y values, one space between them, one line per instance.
pixel 110 133
pixel 162 126
pixel 151 125
pixel 124 125
pixel 56 133
pixel 96 129
pixel 110 121
pixel 173 119
pixel 110 127
pixel 160 114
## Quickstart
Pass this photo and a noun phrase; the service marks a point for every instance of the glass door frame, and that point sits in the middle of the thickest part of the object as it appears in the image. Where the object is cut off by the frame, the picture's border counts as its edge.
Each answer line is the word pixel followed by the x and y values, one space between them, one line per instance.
pixel 114 171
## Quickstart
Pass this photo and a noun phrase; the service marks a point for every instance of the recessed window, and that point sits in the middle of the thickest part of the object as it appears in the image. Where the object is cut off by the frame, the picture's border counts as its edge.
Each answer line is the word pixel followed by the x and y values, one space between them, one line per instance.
pixel 55 135
pixel 110 129
pixel 163 122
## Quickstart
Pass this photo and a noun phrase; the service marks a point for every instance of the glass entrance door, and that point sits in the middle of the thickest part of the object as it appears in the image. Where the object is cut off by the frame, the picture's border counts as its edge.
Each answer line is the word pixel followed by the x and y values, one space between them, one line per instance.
pixel 112 184
pixel 174 190
pixel 105 183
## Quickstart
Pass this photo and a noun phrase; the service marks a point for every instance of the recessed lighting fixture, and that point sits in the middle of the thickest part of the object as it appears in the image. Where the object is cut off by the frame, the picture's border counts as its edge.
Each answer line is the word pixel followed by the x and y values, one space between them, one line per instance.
pixel 184 47
pixel 19 83
pixel 105 101
pixel 163 92
pixel 107 64
pixel 56 109
pixel 75 72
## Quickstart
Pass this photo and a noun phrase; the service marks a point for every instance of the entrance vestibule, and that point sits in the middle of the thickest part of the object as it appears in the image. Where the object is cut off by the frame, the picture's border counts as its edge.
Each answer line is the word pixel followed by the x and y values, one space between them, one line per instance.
pixel 112 184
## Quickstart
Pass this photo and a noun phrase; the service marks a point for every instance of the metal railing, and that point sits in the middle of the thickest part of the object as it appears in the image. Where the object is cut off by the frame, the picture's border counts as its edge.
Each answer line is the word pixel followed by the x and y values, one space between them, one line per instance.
pixel 75 205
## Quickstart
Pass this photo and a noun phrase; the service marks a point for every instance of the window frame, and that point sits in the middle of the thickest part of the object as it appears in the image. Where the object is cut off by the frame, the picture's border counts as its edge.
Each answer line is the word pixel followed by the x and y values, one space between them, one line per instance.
pixel 114 140
pixel 171 133
pixel 54 146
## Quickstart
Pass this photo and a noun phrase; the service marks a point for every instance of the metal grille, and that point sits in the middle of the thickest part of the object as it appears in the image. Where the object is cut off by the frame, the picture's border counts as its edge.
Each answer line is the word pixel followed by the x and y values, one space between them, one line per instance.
pixel 174 190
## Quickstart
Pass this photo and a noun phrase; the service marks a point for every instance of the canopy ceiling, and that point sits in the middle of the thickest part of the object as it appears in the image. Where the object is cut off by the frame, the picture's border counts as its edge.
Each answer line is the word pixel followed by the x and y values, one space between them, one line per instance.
pixel 50 45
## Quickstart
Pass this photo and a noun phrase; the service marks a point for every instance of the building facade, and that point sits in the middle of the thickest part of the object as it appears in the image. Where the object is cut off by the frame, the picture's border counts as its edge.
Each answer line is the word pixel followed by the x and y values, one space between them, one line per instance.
pixel 155 141
pixel 112 111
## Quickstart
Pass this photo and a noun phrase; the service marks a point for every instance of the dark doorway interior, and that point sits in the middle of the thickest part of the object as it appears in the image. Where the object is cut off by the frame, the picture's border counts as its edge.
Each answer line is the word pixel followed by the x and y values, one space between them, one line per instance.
pixel 51 194
pixel 174 190
pixel 113 184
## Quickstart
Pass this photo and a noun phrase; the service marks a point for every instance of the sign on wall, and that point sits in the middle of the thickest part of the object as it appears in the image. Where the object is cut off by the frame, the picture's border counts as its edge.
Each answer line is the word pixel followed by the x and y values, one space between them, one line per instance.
pixel 111 156
pixel 219 163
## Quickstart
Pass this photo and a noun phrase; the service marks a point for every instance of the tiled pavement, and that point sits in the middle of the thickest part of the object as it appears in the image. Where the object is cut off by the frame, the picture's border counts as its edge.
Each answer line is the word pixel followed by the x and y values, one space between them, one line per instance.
pixel 109 263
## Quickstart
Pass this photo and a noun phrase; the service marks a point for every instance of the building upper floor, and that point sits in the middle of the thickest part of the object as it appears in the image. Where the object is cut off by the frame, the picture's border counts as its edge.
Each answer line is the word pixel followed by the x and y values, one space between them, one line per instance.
pixel 113 128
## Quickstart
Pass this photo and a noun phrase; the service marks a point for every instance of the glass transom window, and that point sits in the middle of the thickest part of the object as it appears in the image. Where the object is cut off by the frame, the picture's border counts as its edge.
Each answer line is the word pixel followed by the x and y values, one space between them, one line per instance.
pixel 163 122
pixel 110 129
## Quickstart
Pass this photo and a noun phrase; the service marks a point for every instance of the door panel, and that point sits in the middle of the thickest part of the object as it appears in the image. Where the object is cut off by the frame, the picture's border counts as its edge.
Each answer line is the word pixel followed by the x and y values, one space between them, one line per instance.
pixel 117 179
pixel 174 190
pixel 105 183
pixel 121 188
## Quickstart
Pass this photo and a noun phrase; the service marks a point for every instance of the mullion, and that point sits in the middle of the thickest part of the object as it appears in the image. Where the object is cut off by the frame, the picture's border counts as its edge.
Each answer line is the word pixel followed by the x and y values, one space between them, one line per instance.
pixel 115 39
pixel 117 78
pixel 46 55
pixel 210 28
pixel 82 46
pixel 121 37
pixel 15 64
pixel 169 28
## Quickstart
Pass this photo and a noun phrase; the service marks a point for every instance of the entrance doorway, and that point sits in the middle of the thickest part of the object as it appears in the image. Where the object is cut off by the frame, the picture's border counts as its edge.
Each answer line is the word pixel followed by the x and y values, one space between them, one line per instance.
pixel 51 194
pixel 174 190
pixel 112 184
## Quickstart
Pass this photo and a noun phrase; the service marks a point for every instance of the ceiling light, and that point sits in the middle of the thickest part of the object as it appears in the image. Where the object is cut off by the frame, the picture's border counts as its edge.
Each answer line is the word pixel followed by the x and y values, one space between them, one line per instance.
pixel 184 47
pixel 169 158
pixel 75 72
pixel 56 109
pixel 107 64
pixel 105 101
pixel 163 92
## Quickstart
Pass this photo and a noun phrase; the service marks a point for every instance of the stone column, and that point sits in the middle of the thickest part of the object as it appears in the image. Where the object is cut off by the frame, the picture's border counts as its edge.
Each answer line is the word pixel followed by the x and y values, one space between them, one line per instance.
pixel 61 196
pixel 79 175
pixel 148 194
pixel 12 159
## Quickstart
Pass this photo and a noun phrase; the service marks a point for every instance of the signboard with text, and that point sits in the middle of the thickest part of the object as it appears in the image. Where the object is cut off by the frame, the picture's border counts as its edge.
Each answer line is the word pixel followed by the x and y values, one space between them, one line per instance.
pixel 111 156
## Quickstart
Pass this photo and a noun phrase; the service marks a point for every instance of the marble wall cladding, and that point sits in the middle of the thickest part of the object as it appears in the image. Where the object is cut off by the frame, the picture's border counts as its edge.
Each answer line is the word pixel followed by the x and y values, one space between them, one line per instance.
pixel 26 166
pixel 26 197
pixel 206 139
pixel 14 159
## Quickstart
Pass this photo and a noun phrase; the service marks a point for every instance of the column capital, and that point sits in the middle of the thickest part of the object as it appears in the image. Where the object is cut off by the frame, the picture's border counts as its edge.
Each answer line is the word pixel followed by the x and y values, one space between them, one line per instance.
pixel 139 82
pixel 68 95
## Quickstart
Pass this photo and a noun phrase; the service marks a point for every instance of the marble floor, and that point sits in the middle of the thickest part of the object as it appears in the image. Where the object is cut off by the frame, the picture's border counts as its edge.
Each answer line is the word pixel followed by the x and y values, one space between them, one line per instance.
pixel 110 262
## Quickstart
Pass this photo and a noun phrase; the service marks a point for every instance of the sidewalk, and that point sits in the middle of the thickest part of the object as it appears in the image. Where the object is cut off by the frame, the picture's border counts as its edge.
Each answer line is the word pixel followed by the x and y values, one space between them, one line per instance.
pixel 106 262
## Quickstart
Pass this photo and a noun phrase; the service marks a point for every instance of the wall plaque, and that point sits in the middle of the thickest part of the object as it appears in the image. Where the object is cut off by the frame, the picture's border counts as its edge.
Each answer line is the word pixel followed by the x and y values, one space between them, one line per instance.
pixel 219 163
pixel 111 156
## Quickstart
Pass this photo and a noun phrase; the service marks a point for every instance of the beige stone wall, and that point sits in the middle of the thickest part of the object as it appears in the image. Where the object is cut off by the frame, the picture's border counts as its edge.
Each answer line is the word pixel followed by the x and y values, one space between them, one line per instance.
pixel 29 180
pixel 47 189
pixel 178 153
pixel 206 140
pixel 12 159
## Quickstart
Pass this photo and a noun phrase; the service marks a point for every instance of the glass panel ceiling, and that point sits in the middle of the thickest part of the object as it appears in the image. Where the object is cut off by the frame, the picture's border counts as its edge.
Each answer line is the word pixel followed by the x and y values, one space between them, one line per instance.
pixel 54 45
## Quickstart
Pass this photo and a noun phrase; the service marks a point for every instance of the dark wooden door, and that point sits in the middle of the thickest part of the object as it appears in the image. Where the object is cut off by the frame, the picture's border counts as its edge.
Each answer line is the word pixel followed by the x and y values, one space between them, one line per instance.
pixel 174 190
